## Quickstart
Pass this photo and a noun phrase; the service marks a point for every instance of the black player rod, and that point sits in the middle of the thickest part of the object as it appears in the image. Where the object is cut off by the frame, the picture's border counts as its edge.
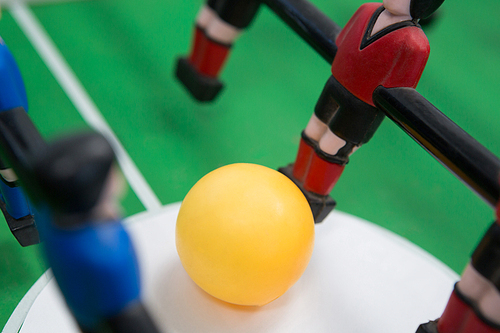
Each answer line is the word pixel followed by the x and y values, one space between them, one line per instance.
pixel 441 137
pixel 309 23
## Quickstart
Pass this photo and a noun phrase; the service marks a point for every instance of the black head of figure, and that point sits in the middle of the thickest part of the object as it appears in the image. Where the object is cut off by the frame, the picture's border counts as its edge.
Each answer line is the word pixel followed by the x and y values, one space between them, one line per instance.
pixel 421 9
pixel 73 171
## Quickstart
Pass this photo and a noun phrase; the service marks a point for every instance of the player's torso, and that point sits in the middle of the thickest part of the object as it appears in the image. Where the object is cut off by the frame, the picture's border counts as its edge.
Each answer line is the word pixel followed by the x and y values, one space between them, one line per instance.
pixel 393 57
pixel 94 264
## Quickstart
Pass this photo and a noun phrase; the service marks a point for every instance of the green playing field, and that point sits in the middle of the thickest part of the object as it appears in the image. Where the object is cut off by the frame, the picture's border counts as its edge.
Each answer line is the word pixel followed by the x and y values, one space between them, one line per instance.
pixel 123 53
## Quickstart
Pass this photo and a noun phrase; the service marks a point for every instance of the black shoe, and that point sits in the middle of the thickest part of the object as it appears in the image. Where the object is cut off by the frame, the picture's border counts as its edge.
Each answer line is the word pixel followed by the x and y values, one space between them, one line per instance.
pixel 321 205
pixel 203 88
pixel 430 327
pixel 24 228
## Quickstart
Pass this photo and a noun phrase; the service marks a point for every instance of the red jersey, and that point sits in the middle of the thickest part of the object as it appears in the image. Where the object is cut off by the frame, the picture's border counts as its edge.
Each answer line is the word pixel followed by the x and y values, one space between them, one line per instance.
pixel 393 57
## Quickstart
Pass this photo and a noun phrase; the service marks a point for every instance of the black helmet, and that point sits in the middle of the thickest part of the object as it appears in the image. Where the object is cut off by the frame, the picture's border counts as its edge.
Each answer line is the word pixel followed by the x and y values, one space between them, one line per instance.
pixel 420 9
pixel 72 172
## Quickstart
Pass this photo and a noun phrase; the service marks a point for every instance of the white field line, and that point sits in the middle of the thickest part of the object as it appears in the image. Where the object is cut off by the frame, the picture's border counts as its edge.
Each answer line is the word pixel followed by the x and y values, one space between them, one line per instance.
pixel 56 63
pixel 17 318
pixel 36 2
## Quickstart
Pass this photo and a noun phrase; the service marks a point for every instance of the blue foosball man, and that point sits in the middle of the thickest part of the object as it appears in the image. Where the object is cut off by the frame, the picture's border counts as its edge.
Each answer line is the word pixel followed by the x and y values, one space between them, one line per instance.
pixel 85 243
pixel 74 183
pixel 13 202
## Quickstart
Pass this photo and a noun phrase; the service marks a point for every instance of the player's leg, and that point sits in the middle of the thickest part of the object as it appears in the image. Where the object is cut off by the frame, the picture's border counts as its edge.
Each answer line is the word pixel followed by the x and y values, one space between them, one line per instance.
pixel 219 39
pixel 16 210
pixel 463 317
pixel 202 87
pixel 459 308
pixel 352 125
pixel 315 129
pixel 486 262
pixel 232 17
pixel 205 16
pixel 486 318
pixel 218 25
pixel 307 145
pixel 325 109
pixel 14 204
pixel 475 302
pixel 327 163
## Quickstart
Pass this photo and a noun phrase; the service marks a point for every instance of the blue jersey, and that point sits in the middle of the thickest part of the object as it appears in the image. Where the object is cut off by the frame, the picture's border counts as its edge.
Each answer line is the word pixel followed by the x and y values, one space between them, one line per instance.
pixel 12 91
pixel 95 267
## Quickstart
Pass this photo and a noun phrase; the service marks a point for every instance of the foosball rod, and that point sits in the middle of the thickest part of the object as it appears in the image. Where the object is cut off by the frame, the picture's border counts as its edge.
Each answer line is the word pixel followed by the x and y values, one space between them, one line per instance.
pixel 312 25
pixel 464 156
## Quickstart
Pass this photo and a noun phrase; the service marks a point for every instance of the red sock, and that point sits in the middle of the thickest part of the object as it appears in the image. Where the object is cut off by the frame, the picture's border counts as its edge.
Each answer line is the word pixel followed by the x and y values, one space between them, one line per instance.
pixel 322 175
pixel 455 315
pixel 477 325
pixel 198 48
pixel 303 160
pixel 214 56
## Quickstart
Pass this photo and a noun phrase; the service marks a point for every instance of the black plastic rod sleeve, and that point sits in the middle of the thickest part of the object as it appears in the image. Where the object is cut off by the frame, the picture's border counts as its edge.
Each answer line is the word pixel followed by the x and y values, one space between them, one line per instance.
pixel 317 29
pixel 470 161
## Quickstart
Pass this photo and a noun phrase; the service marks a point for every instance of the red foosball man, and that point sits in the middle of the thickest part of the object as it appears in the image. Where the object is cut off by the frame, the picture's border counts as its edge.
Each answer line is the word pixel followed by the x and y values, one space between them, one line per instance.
pixel 380 45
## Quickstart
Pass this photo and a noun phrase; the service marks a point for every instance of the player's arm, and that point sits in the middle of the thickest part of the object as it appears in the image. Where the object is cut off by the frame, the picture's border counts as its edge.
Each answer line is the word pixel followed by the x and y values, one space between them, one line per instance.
pixel 13 202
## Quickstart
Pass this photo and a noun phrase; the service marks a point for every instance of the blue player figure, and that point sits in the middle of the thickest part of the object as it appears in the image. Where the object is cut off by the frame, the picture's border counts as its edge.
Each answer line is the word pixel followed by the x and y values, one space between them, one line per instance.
pixel 85 243
pixel 13 202
pixel 74 183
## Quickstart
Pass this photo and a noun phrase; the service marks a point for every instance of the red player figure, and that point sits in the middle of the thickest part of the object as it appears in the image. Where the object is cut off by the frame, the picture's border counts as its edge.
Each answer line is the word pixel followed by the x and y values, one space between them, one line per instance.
pixel 380 45
pixel 474 305
pixel 218 24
